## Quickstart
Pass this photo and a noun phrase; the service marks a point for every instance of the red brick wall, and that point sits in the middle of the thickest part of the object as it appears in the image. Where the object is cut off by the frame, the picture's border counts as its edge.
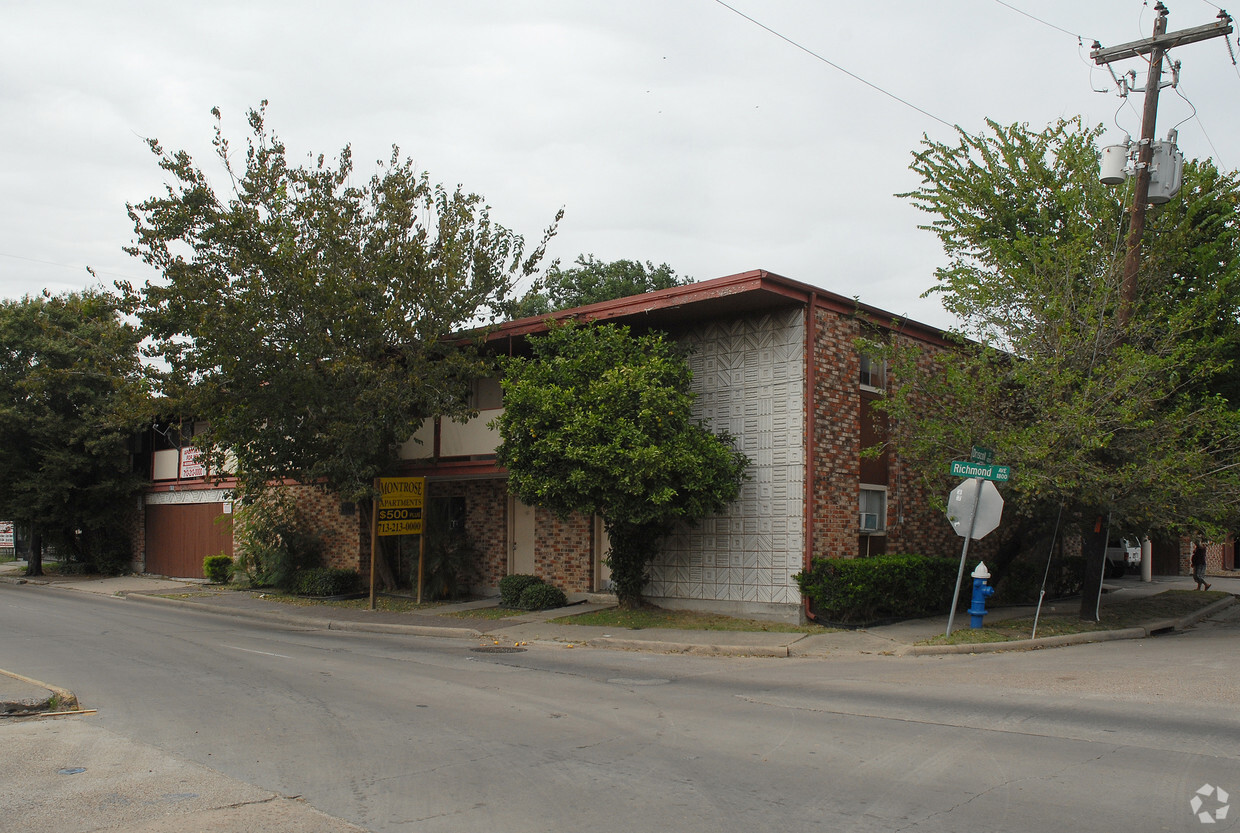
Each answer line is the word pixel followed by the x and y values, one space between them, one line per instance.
pixel 837 436
pixel 912 525
pixel 486 523
pixel 342 534
pixel 1214 558
pixel 347 540
pixel 916 527
pixel 563 551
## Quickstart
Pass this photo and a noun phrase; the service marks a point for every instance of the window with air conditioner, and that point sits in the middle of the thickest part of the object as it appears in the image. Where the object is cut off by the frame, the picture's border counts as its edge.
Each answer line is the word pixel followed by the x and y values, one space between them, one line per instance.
pixel 872 518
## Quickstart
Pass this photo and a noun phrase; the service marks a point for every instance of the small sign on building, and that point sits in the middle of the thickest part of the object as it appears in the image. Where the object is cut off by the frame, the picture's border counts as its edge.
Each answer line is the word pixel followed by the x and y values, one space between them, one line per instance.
pixel 191 463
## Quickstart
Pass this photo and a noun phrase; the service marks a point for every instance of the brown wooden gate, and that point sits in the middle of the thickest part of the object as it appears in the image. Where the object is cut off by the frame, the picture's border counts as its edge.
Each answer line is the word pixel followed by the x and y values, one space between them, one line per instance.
pixel 179 536
pixel 1166 556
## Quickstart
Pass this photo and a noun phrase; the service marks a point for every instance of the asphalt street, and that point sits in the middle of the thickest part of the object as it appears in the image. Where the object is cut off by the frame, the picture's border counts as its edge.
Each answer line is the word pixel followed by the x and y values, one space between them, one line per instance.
pixel 398 732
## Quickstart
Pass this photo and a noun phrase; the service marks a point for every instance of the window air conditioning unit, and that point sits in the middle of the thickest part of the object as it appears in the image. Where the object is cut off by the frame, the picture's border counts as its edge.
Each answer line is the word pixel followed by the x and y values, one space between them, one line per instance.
pixel 869 522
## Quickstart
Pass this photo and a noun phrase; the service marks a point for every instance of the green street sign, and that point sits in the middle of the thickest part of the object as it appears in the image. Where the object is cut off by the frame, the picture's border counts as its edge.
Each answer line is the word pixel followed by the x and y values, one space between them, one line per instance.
pixel 981 455
pixel 965 468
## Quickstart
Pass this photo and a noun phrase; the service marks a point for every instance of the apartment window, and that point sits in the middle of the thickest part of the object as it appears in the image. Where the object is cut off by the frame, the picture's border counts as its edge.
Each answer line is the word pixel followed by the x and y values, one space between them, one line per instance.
pixel 873 373
pixel 487 395
pixel 873 514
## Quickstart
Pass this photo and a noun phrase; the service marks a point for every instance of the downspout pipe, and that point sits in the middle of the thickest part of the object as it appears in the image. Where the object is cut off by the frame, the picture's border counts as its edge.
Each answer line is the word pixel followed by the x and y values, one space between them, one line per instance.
pixel 811 380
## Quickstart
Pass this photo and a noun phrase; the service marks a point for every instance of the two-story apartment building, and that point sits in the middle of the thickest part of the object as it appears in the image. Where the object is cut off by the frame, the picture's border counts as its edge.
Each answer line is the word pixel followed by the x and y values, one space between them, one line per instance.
pixel 775 363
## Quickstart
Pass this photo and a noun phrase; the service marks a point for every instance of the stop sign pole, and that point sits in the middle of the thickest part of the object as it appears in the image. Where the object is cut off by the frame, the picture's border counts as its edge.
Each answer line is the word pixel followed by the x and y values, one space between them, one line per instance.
pixel 964 553
pixel 979 474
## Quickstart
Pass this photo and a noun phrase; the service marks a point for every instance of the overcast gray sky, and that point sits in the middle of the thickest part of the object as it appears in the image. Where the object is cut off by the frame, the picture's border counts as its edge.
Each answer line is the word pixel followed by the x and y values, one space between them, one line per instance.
pixel 670 130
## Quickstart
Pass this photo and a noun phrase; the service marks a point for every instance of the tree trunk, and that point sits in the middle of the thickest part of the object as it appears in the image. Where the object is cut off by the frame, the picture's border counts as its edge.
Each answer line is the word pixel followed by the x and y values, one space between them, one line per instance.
pixel 384 580
pixel 1094 547
pixel 633 547
pixel 34 566
pixel 383 569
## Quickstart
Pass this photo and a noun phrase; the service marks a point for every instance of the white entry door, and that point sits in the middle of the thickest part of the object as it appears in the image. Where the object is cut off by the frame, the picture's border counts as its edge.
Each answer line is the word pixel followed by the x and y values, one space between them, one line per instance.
pixel 602 546
pixel 520 538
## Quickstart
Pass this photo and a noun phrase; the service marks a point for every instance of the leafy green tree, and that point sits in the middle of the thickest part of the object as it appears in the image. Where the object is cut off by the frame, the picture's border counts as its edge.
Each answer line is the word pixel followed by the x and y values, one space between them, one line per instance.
pixel 73 392
pixel 309 319
pixel 592 281
pixel 276 540
pixel 599 421
pixel 1125 423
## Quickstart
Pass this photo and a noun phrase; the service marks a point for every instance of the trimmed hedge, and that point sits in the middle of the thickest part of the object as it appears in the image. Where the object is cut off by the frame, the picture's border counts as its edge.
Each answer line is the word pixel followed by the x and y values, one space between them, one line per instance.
pixel 862 591
pixel 542 597
pixel 511 588
pixel 529 593
pixel 218 568
pixel 327 581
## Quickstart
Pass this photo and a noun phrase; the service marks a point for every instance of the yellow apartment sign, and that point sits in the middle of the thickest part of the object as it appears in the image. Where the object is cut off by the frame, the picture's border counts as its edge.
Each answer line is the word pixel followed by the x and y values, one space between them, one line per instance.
pixel 400 505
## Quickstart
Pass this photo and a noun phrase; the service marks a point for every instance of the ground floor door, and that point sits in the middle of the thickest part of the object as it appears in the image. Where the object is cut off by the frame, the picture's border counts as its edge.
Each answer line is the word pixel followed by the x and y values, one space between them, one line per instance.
pixel 520 538
pixel 602 548
pixel 179 536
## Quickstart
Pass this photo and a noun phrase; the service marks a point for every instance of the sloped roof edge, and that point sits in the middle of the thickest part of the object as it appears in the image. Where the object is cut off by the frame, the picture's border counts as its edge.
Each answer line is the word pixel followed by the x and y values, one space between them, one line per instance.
pixel 743 292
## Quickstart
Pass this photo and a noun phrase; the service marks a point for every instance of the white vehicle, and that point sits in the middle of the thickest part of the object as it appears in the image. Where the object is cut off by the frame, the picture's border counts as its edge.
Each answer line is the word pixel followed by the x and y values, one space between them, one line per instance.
pixel 1122 553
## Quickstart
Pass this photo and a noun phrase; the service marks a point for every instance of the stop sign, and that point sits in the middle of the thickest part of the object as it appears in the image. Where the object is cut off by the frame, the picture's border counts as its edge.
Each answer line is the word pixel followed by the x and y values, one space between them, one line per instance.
pixel 961 503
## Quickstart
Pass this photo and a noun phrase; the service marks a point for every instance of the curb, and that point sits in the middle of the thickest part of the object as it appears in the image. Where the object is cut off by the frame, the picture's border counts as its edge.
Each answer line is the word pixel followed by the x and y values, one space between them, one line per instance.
pixel 1151 629
pixel 312 623
pixel 16 579
pixel 68 700
pixel 688 648
pixel 1026 644
pixel 1208 610
pixel 649 645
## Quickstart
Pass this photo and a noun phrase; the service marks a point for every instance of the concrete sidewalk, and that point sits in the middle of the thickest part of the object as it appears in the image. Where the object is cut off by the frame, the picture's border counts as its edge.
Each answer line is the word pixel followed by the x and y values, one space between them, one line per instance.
pixel 75 775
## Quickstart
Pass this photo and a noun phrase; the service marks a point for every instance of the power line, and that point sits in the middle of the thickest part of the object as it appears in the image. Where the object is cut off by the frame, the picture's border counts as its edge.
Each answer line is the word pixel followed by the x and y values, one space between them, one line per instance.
pixel 1082 38
pixel 1197 118
pixel 1076 35
pixel 69 266
pixel 836 66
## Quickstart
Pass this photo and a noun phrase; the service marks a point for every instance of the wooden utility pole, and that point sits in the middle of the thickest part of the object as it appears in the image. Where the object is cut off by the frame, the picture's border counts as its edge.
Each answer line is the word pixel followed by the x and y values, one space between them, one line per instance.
pixel 1156 47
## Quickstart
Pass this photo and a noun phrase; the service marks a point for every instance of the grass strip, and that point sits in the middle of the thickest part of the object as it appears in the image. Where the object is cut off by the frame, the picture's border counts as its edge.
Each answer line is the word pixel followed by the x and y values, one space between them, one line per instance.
pixel 681 620
pixel 1115 615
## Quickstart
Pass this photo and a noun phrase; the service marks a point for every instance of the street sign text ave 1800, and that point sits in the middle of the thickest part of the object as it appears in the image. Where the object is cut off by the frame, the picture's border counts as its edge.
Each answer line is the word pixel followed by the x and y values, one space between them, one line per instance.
pixel 965 468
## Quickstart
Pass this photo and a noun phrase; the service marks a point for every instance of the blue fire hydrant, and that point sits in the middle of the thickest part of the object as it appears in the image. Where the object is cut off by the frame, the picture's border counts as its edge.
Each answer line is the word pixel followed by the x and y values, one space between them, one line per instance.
pixel 981 592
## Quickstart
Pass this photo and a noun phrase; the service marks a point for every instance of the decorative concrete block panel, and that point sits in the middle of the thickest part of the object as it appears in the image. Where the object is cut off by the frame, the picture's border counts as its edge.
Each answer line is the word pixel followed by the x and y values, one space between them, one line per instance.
pixel 749 374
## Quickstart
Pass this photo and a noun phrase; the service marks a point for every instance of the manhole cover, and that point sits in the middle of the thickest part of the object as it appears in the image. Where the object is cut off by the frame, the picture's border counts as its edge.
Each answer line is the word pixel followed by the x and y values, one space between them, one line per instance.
pixel 497 649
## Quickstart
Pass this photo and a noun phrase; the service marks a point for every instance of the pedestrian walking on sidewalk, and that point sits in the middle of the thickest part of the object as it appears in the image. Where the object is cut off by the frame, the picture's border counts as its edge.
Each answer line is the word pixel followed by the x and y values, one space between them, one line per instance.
pixel 1199 565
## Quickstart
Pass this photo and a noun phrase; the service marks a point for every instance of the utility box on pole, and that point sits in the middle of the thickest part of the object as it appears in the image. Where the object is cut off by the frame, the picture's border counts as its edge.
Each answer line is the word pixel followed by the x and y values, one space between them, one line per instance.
pixel 1155 47
pixel 1166 172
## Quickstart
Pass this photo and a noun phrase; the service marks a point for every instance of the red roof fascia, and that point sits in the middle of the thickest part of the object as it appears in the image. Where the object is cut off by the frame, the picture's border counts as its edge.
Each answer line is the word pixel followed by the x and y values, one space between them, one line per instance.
pixel 454 469
pixel 763 287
